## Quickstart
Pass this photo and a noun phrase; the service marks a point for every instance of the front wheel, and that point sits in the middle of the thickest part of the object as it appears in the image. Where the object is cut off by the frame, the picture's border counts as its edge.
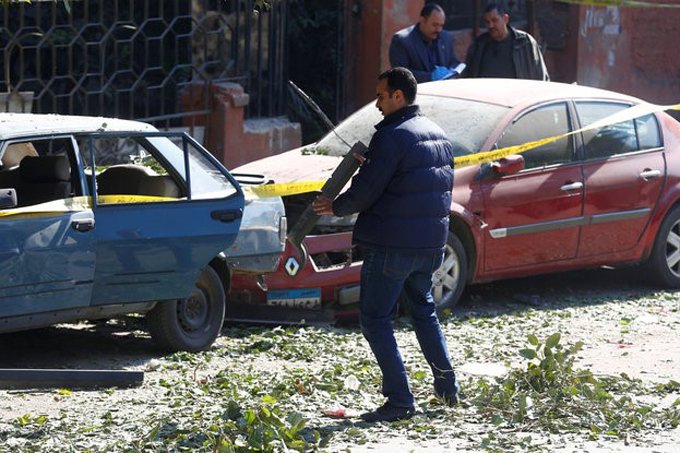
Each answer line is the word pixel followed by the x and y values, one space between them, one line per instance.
pixel 190 324
pixel 449 280
pixel 663 265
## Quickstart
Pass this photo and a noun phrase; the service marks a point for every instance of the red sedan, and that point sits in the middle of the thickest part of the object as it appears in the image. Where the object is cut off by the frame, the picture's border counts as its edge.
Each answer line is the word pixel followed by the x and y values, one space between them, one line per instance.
pixel 604 196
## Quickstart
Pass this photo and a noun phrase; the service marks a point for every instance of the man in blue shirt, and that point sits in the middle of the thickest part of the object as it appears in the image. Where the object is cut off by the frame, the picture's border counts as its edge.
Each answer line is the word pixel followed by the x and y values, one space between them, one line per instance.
pixel 402 193
pixel 425 48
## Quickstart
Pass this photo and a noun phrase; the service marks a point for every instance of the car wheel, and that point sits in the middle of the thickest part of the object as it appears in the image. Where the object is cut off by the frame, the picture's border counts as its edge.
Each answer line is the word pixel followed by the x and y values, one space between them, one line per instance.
pixel 190 324
pixel 449 280
pixel 663 265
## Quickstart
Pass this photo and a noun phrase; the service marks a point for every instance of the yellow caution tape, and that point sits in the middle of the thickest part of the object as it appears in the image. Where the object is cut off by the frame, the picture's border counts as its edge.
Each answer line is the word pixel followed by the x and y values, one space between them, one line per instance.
pixel 636 111
pixel 622 3
pixel 115 199
pixel 490 156
pixel 295 188
pixel 280 190
pixel 76 204
pixel 630 113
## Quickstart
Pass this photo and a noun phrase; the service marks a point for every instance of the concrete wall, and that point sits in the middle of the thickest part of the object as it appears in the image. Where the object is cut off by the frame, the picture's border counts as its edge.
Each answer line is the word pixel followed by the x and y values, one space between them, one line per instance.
pixel 632 50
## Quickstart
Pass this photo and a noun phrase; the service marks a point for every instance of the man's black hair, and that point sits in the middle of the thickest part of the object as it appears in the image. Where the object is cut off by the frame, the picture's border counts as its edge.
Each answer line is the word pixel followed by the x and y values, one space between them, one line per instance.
pixel 401 79
pixel 427 10
pixel 496 6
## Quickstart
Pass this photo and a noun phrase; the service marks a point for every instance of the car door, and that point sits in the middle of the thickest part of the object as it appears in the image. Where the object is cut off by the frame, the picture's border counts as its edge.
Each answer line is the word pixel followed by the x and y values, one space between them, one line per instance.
pixel 164 208
pixel 533 216
pixel 624 172
pixel 47 242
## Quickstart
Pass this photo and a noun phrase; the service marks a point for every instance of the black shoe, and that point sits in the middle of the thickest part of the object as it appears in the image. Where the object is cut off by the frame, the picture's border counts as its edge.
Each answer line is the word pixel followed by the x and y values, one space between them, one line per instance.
pixel 388 413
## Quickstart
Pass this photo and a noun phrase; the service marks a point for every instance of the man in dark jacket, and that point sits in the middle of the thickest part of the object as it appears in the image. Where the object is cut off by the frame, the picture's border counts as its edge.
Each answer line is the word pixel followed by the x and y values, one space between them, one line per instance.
pixel 503 51
pixel 402 193
pixel 425 48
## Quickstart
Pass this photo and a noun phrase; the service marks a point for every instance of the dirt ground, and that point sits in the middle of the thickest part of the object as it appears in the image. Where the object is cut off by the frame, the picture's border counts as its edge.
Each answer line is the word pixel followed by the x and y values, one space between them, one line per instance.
pixel 626 328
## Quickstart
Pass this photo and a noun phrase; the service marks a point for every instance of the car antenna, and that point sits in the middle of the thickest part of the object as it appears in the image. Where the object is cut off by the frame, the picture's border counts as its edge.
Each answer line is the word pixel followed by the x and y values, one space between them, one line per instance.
pixel 317 110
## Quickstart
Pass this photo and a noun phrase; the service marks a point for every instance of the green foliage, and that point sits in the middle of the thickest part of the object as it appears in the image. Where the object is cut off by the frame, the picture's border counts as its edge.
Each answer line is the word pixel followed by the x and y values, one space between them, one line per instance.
pixel 321 151
pixel 29 419
pixel 243 424
pixel 262 427
pixel 550 394
pixel 263 389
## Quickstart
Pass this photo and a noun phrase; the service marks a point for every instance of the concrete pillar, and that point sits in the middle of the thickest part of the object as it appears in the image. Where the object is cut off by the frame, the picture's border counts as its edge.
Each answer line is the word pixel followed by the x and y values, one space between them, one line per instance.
pixel 231 138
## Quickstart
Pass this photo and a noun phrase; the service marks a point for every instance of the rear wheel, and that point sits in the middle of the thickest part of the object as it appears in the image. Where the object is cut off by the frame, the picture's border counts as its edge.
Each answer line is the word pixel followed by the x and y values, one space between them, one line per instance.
pixel 449 280
pixel 190 324
pixel 663 265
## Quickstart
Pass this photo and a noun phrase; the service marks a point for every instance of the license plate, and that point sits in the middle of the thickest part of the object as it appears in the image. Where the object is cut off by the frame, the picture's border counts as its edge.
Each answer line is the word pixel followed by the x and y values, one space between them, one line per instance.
pixel 309 298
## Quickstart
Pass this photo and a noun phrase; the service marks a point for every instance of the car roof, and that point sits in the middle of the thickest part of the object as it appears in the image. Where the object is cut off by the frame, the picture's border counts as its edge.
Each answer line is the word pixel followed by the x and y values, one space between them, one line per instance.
pixel 22 124
pixel 513 92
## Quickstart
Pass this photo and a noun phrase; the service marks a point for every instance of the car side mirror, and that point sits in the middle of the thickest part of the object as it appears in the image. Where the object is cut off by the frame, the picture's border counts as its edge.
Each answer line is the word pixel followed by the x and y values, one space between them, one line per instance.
pixel 8 198
pixel 508 165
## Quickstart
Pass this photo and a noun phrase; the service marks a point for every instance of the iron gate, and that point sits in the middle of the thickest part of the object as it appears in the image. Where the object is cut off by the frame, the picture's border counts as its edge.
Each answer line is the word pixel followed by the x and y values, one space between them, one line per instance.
pixel 138 59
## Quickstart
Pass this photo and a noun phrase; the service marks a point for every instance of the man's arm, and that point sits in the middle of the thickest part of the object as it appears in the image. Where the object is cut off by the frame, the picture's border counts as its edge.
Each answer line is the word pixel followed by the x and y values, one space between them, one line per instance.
pixel 399 56
pixel 372 178
pixel 539 63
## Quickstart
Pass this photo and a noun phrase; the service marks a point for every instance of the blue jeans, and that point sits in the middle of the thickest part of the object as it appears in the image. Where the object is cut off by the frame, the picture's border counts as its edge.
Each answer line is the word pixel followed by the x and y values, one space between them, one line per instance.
pixel 384 274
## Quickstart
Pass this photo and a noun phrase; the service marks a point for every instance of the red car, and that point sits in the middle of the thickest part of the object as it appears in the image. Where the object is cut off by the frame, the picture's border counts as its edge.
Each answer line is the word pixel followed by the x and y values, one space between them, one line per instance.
pixel 605 196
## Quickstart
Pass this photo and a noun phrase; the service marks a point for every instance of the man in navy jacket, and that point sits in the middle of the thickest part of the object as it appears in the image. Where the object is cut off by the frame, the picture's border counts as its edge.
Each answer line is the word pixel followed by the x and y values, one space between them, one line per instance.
pixel 402 193
pixel 425 48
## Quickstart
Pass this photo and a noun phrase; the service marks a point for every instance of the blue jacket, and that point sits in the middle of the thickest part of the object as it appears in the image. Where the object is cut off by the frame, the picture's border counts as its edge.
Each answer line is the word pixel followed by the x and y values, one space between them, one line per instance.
pixel 408 49
pixel 402 191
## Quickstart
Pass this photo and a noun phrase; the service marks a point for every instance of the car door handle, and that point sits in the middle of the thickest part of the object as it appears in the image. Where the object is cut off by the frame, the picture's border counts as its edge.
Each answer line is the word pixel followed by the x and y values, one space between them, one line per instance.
pixel 572 186
pixel 83 225
pixel 226 215
pixel 650 174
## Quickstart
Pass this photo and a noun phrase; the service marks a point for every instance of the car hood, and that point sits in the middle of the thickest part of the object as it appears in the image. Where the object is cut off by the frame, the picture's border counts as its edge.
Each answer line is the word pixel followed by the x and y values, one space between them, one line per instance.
pixel 296 165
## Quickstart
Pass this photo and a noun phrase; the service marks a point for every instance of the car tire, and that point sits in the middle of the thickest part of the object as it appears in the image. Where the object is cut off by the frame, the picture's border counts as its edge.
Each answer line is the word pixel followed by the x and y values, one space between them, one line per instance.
pixel 190 324
pixel 663 266
pixel 450 279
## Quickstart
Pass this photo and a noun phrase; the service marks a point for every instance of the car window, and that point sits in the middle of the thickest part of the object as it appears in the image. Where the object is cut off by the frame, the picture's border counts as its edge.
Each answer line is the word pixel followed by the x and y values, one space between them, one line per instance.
pixel 141 169
pixel 615 139
pixel 466 123
pixel 647 128
pixel 40 170
pixel 542 122
pixel 207 180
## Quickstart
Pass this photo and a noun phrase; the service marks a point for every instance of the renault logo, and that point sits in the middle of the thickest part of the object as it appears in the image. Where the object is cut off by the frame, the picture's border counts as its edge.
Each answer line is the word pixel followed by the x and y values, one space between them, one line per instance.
pixel 292 266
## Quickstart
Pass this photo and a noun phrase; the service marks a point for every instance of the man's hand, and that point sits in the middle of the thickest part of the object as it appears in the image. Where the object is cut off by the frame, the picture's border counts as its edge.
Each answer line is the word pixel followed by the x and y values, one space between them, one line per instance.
pixel 441 72
pixel 361 159
pixel 322 205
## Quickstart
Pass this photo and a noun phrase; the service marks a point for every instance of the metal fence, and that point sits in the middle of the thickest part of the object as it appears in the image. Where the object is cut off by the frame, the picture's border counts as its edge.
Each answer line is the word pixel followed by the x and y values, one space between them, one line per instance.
pixel 141 59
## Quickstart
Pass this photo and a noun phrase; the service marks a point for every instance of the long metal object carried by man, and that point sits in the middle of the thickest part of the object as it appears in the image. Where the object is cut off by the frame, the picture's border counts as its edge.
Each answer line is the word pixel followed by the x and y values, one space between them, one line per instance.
pixel 330 189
